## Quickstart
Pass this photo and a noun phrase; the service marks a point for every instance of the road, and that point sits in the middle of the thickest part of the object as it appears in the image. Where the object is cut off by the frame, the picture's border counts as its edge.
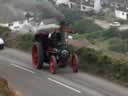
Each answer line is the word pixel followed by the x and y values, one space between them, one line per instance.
pixel 16 67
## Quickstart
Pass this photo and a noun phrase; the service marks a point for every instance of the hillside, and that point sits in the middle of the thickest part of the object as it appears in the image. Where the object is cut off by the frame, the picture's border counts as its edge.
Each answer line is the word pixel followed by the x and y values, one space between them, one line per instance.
pixel 111 40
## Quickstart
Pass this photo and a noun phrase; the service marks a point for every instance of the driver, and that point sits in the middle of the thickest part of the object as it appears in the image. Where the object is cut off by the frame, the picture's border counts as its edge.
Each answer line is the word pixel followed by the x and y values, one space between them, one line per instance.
pixel 56 39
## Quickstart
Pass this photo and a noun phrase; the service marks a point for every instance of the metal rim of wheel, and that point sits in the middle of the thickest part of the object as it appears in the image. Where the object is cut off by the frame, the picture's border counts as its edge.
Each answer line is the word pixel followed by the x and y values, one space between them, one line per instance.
pixel 34 56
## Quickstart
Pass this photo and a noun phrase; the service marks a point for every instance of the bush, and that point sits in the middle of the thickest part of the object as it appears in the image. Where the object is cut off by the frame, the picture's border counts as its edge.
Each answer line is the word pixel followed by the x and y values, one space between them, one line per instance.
pixel 110 33
pixel 118 45
pixel 114 40
pixel 86 25
pixel 123 34
pixel 93 35
pixel 89 54
pixel 22 42
pixel 26 41
pixel 4 33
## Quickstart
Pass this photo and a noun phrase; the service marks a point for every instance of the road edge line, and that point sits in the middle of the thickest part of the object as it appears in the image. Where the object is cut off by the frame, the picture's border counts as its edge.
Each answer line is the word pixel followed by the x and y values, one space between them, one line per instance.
pixel 23 68
pixel 64 85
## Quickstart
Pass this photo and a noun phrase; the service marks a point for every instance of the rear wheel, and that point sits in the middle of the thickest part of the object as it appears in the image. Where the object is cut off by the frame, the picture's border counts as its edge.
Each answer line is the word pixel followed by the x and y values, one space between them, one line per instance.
pixel 37 55
pixel 52 65
pixel 74 63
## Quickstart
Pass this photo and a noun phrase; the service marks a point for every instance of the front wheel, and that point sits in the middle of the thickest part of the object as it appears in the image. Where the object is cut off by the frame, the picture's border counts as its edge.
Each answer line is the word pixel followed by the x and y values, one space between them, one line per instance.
pixel 74 63
pixel 52 65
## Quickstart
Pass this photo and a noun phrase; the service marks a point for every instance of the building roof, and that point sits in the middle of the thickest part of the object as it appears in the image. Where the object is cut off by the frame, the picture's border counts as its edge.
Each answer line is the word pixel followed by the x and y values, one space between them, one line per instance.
pixel 84 2
pixel 125 9
pixel 122 2
pixel 76 1
pixel 89 2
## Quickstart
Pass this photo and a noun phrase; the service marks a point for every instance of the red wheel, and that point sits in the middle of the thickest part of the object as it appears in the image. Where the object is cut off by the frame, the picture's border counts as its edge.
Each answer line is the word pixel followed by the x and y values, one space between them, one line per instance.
pixel 74 63
pixel 34 55
pixel 52 65
pixel 37 55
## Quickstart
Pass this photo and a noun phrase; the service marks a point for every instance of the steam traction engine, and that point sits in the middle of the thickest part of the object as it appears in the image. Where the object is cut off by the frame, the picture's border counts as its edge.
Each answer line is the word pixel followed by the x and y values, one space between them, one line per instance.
pixel 50 46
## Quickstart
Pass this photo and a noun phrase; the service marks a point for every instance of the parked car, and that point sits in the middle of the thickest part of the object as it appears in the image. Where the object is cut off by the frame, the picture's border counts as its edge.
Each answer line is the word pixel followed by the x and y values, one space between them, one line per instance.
pixel 115 24
pixel 2 43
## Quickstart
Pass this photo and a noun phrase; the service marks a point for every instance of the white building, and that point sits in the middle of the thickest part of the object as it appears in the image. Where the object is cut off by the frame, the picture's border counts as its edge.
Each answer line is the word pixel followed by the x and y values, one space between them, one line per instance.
pixel 58 2
pixel 63 2
pixel 89 5
pixel 97 6
pixel 26 26
pixel 121 14
pixel 86 8
pixel 82 5
pixel 21 26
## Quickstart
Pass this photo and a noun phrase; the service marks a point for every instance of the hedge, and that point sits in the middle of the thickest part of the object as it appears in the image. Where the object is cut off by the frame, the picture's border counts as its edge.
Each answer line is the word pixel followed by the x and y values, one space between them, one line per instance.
pixel 99 64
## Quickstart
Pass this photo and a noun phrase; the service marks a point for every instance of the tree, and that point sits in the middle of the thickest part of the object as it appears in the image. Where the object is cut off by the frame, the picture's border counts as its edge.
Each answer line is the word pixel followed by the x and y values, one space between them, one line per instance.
pixel 70 15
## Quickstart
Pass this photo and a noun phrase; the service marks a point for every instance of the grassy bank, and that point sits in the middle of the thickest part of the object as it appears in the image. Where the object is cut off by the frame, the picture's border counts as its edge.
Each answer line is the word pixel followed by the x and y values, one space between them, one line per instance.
pixel 4 89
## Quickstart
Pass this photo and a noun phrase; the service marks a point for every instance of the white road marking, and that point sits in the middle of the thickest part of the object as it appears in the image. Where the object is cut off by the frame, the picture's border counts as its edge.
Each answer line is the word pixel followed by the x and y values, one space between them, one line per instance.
pixel 23 65
pixel 23 68
pixel 85 89
pixel 64 85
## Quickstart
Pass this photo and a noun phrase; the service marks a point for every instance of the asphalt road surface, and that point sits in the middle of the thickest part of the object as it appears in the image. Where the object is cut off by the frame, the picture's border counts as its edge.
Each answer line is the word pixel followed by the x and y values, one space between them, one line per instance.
pixel 16 67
